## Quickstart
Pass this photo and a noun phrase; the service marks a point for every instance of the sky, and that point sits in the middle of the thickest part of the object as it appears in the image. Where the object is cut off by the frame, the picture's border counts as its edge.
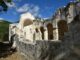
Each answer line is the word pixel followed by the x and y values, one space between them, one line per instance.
pixel 40 8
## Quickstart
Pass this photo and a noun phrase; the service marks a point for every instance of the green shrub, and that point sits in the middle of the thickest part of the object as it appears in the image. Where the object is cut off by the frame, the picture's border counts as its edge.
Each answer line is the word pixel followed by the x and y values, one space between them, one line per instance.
pixel 4 30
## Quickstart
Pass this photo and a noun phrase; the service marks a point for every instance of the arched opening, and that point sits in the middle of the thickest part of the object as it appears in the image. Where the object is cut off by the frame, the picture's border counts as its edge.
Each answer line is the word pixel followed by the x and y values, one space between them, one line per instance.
pixel 42 31
pixel 37 30
pixel 62 28
pixel 34 36
pixel 27 22
pixel 50 31
pixel 12 39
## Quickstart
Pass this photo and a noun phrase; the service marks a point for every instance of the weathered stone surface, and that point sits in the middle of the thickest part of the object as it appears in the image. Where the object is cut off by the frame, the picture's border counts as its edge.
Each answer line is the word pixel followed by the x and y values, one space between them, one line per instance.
pixel 67 49
pixel 42 50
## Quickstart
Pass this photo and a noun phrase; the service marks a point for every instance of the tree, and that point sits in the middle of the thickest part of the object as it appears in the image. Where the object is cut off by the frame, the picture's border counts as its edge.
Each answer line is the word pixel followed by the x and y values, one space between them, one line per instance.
pixel 3 5
pixel 78 0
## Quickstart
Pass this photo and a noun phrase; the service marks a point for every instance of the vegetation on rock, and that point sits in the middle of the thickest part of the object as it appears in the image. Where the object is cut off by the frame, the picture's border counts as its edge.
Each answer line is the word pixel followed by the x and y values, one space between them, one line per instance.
pixel 4 30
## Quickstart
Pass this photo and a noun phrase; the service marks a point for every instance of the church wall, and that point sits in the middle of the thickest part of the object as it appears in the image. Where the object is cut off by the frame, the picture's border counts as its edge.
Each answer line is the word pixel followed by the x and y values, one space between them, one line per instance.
pixel 28 32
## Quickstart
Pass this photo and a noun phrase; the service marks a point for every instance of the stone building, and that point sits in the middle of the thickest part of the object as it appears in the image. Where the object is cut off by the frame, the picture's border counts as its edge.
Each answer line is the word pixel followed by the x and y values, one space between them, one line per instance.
pixel 57 38
pixel 53 29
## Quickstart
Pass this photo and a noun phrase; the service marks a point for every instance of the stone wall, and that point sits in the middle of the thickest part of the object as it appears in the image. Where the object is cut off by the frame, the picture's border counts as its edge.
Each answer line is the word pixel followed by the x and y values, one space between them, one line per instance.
pixel 45 50
pixel 74 29
pixel 41 50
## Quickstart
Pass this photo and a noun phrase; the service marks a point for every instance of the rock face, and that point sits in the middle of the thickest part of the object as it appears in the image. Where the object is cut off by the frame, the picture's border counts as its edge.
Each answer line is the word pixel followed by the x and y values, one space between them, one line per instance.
pixel 46 50
pixel 41 50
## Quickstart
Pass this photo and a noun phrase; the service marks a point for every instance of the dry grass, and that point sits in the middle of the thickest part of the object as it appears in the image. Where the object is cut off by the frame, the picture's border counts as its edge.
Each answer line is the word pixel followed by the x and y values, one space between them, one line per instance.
pixel 14 56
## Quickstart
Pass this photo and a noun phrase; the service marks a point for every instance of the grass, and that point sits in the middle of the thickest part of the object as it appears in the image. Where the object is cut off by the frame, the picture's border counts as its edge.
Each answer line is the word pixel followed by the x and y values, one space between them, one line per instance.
pixel 4 30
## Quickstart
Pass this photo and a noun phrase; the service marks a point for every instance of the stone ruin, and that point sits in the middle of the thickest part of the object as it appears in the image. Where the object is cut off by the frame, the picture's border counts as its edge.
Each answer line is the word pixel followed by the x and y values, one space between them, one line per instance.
pixel 54 39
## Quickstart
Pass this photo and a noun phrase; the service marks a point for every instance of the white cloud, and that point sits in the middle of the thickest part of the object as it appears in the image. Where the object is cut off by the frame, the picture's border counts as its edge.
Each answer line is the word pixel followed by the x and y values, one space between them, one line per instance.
pixel 29 8
pixel 1 19
pixel 11 4
pixel 24 8
pixel 40 15
pixel 35 10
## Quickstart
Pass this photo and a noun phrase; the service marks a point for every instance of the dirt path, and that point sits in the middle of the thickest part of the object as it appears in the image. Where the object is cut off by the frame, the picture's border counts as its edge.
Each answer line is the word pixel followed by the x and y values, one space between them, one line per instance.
pixel 6 53
pixel 14 56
